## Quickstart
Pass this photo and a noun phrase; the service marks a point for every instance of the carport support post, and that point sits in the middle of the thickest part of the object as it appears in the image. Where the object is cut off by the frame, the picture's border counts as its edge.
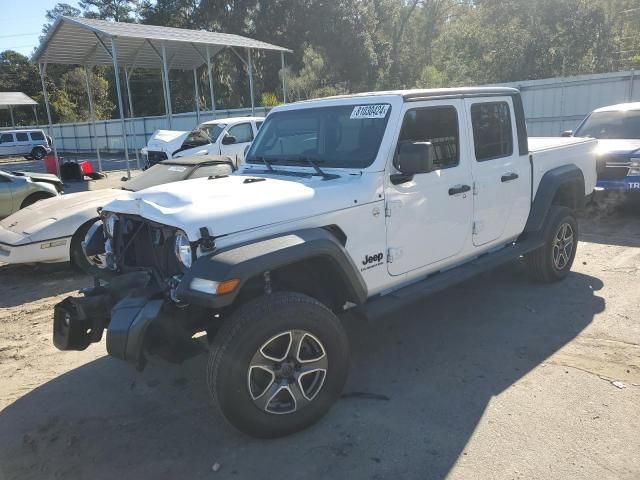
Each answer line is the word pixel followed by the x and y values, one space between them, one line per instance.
pixel 92 114
pixel 197 94
pixel 114 55
pixel 131 115
pixel 35 114
pixel 167 91
pixel 13 122
pixel 250 66
pixel 43 67
pixel 284 77
pixel 209 70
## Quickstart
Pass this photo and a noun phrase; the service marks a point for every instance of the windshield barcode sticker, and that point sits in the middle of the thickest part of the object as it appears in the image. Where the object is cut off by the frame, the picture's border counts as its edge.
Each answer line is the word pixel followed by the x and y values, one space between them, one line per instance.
pixel 369 111
pixel 177 169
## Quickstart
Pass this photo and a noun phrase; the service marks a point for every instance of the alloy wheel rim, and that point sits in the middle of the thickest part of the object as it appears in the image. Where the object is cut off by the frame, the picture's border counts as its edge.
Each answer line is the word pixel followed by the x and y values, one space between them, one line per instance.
pixel 287 372
pixel 563 246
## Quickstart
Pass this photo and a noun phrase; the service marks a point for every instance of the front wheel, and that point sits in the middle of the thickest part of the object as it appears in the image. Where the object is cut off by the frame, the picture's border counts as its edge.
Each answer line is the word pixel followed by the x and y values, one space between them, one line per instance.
pixel 552 262
pixel 278 364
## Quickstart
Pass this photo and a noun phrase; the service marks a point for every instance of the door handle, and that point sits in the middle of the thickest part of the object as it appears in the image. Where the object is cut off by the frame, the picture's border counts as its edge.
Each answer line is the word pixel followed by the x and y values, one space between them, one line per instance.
pixel 456 189
pixel 507 177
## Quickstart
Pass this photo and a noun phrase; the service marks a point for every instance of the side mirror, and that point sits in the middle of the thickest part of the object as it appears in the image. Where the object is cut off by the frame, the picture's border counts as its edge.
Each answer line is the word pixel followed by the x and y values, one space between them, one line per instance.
pixel 228 140
pixel 415 157
pixel 567 133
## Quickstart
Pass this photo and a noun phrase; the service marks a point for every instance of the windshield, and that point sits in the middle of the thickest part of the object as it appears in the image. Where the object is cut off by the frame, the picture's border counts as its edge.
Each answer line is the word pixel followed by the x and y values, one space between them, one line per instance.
pixel 203 135
pixel 611 125
pixel 345 136
pixel 157 175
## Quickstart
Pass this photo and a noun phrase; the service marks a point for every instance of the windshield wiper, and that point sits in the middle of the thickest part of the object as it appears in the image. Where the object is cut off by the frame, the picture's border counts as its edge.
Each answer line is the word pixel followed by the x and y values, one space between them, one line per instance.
pixel 314 164
pixel 260 158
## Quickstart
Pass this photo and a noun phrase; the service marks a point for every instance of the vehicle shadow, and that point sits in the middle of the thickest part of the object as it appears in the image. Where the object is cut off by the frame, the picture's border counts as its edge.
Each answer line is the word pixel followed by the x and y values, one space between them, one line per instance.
pixel 612 220
pixel 419 383
pixel 18 286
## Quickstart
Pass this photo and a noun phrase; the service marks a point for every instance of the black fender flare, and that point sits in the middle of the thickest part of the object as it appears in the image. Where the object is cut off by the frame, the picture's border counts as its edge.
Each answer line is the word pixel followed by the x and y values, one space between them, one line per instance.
pixel 248 260
pixel 550 183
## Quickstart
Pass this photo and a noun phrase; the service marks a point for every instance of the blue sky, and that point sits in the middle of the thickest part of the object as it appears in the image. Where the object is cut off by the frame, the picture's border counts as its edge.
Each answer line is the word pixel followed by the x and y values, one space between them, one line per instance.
pixel 21 23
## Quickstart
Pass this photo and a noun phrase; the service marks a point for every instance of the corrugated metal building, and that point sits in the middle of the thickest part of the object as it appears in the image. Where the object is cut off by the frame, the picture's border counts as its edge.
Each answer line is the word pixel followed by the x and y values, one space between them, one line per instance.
pixel 557 104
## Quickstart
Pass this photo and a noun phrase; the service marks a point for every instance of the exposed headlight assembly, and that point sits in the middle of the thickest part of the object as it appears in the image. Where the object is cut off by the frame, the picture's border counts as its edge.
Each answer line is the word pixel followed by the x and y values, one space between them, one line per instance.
pixel 110 220
pixel 183 250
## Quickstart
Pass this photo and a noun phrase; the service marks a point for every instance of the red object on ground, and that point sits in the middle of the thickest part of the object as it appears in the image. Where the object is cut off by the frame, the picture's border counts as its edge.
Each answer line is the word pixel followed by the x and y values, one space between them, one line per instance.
pixel 50 163
pixel 86 167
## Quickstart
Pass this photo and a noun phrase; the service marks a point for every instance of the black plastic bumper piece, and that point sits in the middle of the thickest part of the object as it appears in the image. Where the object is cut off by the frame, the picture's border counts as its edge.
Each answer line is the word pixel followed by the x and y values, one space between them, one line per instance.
pixel 130 320
pixel 78 322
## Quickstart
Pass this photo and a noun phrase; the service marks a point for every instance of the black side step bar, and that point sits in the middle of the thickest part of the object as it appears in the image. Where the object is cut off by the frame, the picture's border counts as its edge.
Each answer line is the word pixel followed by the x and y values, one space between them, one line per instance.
pixel 386 304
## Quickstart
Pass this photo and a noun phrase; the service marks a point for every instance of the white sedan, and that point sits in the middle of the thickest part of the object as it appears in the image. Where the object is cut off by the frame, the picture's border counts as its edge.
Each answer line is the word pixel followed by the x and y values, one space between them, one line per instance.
pixel 52 230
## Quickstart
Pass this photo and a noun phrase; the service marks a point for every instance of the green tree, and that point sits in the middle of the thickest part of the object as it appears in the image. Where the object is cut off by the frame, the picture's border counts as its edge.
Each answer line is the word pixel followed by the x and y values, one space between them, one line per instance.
pixel 116 10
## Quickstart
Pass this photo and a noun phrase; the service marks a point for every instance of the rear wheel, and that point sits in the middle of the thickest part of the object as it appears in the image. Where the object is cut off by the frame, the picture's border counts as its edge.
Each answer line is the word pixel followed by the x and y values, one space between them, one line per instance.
pixel 278 364
pixel 553 261
pixel 38 153
pixel 35 197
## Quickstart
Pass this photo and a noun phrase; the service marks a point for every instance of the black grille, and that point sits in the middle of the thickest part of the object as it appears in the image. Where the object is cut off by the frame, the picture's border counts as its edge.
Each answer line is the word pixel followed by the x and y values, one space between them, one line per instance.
pixel 139 243
pixel 155 157
pixel 611 167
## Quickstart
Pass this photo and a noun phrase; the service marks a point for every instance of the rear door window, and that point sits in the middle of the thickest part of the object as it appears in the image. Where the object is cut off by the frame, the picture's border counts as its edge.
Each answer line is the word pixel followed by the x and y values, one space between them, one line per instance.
pixel 492 132
pixel 22 137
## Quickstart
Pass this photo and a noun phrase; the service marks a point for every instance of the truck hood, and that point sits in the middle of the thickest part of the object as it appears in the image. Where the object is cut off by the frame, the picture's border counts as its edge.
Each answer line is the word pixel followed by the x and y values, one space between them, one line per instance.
pixel 44 219
pixel 166 141
pixel 242 201
pixel 617 147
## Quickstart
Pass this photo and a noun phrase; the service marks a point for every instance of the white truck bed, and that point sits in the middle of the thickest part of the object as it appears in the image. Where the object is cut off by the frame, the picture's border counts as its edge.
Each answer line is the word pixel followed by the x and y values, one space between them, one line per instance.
pixel 550 152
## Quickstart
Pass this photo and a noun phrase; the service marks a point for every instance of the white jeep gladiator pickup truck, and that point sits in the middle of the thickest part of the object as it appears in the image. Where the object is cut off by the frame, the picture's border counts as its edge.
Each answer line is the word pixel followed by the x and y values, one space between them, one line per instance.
pixel 361 202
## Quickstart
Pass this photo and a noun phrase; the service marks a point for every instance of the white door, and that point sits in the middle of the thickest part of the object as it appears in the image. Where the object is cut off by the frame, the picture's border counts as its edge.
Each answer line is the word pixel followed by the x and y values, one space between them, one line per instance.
pixel 498 174
pixel 243 134
pixel 429 215
pixel 7 144
pixel 23 144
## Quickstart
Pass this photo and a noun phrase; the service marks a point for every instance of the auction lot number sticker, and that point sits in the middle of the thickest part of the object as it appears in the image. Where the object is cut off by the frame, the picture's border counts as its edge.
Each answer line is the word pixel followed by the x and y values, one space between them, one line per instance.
pixel 369 111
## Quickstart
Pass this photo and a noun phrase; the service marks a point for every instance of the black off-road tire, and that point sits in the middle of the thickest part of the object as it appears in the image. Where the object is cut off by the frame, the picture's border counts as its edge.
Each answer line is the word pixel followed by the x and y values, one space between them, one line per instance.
pixel 35 197
pixel 245 333
pixel 541 263
pixel 38 153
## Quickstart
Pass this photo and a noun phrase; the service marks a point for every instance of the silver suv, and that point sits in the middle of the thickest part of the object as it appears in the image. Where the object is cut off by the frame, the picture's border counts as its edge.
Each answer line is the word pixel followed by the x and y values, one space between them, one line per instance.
pixel 31 144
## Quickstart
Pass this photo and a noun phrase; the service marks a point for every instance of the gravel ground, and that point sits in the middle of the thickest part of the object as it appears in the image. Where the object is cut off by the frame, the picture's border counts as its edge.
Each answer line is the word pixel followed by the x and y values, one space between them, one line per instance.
pixel 497 378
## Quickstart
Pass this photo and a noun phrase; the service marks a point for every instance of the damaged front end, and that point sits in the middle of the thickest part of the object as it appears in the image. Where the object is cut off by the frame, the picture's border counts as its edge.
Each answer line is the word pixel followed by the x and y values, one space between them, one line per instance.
pixel 137 306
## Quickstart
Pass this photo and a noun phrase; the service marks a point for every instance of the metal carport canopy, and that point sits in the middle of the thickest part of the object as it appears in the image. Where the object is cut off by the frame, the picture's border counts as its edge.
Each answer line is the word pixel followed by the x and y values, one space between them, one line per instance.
pixel 86 41
pixel 91 42
pixel 16 99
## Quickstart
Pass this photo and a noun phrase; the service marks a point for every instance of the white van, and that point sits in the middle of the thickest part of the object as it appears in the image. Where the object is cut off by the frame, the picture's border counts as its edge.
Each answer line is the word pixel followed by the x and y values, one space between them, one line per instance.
pixel 31 144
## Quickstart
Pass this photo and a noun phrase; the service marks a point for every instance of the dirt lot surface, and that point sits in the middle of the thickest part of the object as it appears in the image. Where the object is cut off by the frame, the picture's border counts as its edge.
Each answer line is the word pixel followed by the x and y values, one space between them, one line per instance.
pixel 497 378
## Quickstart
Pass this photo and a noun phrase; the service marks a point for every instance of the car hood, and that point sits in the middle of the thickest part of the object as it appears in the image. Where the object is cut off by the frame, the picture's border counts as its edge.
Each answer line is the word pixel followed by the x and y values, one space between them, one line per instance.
pixel 44 177
pixel 39 220
pixel 243 201
pixel 166 141
pixel 617 147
